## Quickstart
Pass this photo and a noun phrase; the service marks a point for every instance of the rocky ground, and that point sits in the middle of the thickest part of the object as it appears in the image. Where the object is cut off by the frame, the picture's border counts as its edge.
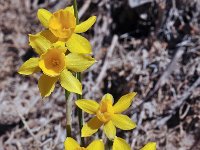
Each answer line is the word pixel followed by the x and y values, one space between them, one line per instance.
pixel 150 47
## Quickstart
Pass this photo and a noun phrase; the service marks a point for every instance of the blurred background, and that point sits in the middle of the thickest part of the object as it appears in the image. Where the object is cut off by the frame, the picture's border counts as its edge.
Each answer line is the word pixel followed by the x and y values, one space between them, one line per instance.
pixel 151 47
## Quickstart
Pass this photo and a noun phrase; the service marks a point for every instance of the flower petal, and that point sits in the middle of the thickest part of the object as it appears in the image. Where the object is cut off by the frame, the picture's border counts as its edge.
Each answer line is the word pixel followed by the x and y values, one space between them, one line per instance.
pixel 108 98
pixel 71 144
pixel 79 62
pixel 149 146
pixel 84 26
pixel 30 66
pixel 123 122
pixel 70 83
pixel 120 144
pixel 49 36
pixel 39 43
pixel 46 85
pixel 110 130
pixel 60 45
pixel 89 106
pixel 78 44
pixel 44 16
pixel 70 9
pixel 124 102
pixel 91 127
pixel 97 145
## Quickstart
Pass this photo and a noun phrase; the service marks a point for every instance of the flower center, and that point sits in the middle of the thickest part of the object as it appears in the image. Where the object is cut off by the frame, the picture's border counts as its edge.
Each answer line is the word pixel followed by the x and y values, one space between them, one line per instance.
pixel 62 24
pixel 55 62
pixel 105 111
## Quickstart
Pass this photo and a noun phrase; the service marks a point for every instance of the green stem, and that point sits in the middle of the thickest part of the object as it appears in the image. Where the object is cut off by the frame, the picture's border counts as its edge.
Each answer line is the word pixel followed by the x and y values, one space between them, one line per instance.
pixel 68 98
pixel 78 76
pixel 80 112
pixel 109 144
pixel 76 11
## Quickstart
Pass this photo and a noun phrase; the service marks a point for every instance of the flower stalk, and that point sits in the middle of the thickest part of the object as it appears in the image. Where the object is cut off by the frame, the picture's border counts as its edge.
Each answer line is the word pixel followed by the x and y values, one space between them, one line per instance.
pixel 78 76
pixel 109 144
pixel 76 12
pixel 68 97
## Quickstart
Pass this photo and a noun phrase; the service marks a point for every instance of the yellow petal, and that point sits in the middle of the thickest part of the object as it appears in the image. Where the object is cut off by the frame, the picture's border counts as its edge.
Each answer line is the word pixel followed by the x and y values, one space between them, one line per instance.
pixel 71 144
pixel 70 83
pixel 29 67
pixel 84 26
pixel 110 130
pixel 79 62
pixel 44 16
pixel 123 122
pixel 108 98
pixel 91 127
pixel 149 146
pixel 70 9
pixel 60 45
pixel 49 36
pixel 124 102
pixel 120 144
pixel 39 43
pixel 96 145
pixel 46 85
pixel 89 106
pixel 78 44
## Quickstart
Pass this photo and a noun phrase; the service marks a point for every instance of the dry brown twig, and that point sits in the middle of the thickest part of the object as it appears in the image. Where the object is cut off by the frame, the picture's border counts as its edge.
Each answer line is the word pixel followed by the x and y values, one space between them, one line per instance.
pixel 26 125
pixel 163 79
pixel 106 66
pixel 84 8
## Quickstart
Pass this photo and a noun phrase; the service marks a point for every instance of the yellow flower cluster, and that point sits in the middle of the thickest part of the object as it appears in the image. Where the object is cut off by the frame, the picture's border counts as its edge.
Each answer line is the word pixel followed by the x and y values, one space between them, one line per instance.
pixel 62 52
pixel 52 45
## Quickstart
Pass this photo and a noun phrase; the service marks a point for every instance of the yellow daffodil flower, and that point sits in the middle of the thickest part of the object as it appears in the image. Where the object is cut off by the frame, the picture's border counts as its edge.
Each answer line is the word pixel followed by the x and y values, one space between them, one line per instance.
pixel 71 144
pixel 55 66
pixel 61 26
pixel 121 144
pixel 107 115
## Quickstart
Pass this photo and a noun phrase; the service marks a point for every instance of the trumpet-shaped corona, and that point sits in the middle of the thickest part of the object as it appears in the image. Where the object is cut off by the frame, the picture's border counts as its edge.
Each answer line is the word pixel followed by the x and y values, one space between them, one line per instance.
pixel 52 62
pixel 105 110
pixel 62 23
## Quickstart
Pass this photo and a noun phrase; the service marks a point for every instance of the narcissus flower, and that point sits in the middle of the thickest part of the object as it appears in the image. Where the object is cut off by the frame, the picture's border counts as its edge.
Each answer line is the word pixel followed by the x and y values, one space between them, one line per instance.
pixel 107 115
pixel 61 26
pixel 121 144
pixel 71 144
pixel 55 66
